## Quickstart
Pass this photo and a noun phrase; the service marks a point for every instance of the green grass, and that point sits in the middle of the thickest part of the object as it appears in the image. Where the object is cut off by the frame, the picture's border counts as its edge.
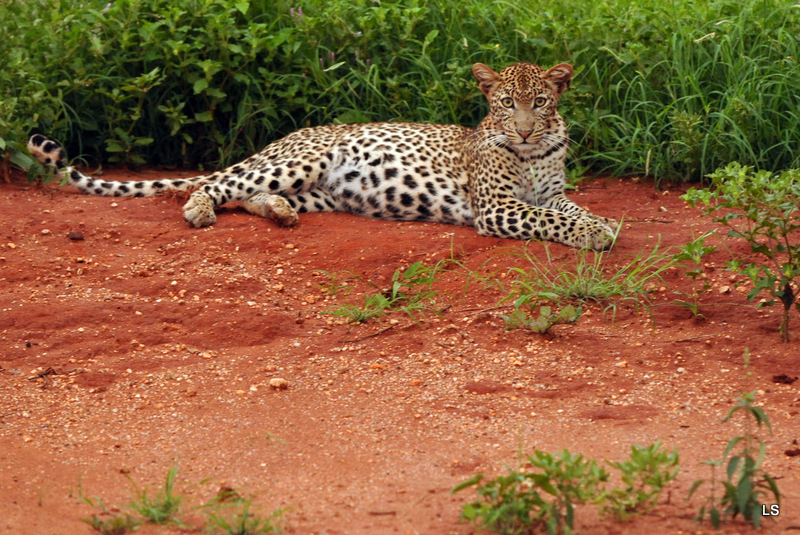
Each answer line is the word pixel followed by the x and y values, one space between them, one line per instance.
pixel 228 513
pixel 410 292
pixel 161 508
pixel 672 89
pixel 591 277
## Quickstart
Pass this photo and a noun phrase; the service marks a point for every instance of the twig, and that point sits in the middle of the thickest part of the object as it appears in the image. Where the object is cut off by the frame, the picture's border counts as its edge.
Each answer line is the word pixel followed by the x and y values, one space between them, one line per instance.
pixel 377 333
pixel 649 220
pixel 691 339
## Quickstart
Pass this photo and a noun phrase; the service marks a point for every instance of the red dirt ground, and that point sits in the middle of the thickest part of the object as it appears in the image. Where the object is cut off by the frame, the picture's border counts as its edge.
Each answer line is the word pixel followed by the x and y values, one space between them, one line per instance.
pixel 132 343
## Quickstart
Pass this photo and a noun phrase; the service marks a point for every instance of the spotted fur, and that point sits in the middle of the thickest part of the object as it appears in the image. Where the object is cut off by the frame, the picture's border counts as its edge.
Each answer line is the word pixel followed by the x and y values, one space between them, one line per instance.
pixel 505 177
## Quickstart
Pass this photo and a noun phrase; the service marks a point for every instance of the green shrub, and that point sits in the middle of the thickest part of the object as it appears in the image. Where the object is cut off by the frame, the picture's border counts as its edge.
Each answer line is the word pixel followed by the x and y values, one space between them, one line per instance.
pixel 761 208
pixel 644 475
pixel 545 497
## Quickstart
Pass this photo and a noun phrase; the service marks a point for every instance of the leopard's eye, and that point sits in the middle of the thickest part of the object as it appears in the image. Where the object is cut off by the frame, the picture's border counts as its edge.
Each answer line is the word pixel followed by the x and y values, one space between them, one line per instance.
pixel 507 102
pixel 540 101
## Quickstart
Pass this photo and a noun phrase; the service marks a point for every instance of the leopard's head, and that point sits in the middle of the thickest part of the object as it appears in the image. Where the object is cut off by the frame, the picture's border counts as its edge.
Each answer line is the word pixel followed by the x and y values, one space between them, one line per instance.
pixel 523 101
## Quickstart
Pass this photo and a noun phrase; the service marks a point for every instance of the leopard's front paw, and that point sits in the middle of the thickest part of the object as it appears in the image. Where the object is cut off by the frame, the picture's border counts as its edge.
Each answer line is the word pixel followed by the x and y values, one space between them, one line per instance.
pixel 598 236
pixel 612 224
pixel 199 210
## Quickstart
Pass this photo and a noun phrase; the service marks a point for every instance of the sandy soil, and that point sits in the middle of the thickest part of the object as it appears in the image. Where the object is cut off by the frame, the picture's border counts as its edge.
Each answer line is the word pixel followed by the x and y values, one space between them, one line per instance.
pixel 132 343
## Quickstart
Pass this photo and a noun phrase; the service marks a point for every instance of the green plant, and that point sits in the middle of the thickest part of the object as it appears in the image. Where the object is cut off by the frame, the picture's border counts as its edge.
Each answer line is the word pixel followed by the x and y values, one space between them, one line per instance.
pixel 409 292
pixel 231 514
pixel 545 497
pixel 106 522
pixel 521 319
pixel 747 486
pixel 590 278
pixel 644 476
pixel 161 508
pixel 337 283
pixel 761 208
pixel 690 258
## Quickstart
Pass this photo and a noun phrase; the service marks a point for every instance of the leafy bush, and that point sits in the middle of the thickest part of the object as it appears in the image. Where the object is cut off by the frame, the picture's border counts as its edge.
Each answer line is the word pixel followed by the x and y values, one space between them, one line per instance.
pixel 667 89
pixel 545 495
pixel 644 475
pixel 520 502
pixel 762 209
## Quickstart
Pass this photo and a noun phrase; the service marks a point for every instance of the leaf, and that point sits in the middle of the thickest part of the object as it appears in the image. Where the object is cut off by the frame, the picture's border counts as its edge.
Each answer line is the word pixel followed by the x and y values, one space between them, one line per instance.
pixel 468 483
pixel 242 6
pixel 200 86
pixel 204 117
pixel 334 66
pixel 714 516
pixel 744 493
pixel 696 485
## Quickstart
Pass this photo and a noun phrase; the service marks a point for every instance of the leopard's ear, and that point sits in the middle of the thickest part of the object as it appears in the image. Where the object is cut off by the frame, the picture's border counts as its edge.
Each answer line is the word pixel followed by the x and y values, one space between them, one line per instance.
pixel 487 79
pixel 559 77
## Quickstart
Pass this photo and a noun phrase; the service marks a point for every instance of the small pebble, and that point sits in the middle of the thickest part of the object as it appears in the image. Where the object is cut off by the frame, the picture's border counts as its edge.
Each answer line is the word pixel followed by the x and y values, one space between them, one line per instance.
pixel 278 384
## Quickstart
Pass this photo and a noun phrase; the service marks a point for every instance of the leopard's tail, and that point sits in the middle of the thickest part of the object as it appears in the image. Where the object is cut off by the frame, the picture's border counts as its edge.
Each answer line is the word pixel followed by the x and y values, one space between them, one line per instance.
pixel 51 154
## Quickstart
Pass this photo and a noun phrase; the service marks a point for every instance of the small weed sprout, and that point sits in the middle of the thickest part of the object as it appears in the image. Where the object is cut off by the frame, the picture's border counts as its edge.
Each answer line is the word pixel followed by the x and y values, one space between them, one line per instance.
pixel 410 291
pixel 161 508
pixel 106 522
pixel 690 258
pixel 761 208
pixel 337 283
pixel 230 514
pixel 746 485
pixel 644 476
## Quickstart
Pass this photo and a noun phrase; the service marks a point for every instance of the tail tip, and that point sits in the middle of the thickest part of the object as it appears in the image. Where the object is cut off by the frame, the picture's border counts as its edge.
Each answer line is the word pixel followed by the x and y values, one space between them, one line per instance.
pixel 46 150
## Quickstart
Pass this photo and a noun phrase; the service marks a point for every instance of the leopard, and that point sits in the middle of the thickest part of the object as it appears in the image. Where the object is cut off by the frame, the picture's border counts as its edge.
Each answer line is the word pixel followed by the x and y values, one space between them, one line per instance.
pixel 506 177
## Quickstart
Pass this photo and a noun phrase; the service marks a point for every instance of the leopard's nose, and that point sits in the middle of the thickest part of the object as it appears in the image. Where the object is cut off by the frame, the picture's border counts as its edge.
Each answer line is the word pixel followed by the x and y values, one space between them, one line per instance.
pixel 524 134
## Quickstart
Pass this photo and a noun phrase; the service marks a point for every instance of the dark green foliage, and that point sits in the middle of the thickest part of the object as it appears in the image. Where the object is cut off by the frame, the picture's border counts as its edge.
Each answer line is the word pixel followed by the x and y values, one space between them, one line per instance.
pixel 670 89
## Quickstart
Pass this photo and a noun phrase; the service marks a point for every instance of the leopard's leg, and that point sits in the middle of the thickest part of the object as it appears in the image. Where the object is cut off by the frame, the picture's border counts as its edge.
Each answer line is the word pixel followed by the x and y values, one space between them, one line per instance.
pixel 561 203
pixel 511 218
pixel 275 188
pixel 284 209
